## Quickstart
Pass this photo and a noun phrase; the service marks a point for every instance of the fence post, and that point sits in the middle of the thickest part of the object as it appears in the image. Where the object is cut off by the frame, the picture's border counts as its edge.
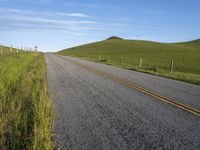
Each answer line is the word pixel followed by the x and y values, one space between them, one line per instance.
pixel 121 59
pixel 140 62
pixel 1 50
pixel 99 57
pixel 172 66
pixel 11 48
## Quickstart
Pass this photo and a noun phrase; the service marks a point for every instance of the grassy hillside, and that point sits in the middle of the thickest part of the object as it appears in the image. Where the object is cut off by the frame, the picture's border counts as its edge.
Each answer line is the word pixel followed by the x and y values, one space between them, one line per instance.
pixel 156 57
pixel 195 43
pixel 26 110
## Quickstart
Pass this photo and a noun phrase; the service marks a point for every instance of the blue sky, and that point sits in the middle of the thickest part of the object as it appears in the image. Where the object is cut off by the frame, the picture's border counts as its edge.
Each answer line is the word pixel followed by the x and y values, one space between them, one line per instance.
pixel 53 25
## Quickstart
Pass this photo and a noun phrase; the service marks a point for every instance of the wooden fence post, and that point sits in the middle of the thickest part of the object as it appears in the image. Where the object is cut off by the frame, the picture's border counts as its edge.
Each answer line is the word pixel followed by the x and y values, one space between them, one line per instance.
pixel 121 59
pixel 172 66
pixel 140 62
pixel 1 49
pixel 99 57
pixel 11 48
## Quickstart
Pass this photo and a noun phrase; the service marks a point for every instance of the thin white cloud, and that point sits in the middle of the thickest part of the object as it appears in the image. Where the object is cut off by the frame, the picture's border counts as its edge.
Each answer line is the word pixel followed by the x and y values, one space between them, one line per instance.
pixel 115 24
pixel 41 20
pixel 13 10
pixel 81 15
pixel 20 19
pixel 46 20
pixel 21 11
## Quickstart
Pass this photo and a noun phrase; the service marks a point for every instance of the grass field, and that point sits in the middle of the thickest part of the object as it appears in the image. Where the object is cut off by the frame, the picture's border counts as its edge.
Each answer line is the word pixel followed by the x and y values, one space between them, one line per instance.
pixel 26 111
pixel 156 57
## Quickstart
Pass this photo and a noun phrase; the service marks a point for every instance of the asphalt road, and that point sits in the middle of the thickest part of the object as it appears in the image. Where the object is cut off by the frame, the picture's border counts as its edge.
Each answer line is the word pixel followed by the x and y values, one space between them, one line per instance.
pixel 96 113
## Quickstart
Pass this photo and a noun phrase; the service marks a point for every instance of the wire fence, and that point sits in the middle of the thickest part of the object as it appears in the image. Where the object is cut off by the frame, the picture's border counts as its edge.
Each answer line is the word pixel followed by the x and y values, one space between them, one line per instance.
pixel 127 62
pixel 5 49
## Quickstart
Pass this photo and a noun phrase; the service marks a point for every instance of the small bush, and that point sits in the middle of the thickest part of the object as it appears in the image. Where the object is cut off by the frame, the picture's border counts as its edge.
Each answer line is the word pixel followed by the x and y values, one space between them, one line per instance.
pixel 153 68
pixel 102 60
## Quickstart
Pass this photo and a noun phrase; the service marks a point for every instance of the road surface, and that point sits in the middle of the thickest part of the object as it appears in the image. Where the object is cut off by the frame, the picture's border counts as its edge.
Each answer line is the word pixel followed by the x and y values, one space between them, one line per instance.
pixel 94 112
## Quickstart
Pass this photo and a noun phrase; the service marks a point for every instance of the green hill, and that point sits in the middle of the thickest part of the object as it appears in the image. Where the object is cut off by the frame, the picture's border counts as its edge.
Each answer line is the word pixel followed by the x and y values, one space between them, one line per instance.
pixel 195 43
pixel 156 56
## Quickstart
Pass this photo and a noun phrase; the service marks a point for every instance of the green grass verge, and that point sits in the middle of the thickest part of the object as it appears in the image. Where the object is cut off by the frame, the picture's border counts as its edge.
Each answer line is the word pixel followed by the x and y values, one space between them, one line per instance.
pixel 156 57
pixel 26 111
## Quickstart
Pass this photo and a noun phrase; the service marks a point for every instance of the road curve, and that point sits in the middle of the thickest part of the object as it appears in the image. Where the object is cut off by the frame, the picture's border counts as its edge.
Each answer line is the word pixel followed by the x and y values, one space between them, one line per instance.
pixel 94 112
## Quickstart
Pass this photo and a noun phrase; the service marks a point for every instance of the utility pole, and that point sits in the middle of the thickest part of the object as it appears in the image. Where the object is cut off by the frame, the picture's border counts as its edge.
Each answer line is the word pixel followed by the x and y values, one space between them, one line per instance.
pixel 36 48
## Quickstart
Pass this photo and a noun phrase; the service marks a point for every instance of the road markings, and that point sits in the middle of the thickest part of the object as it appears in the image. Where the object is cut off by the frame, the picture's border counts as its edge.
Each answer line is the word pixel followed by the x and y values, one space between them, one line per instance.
pixel 136 87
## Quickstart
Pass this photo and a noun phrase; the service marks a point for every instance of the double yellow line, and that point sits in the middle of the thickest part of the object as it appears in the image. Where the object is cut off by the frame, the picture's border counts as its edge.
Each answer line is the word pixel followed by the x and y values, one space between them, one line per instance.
pixel 137 88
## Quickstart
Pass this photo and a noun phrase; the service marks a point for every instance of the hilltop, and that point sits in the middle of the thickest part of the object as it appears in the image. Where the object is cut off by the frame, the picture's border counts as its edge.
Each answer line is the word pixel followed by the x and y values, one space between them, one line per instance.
pixel 114 38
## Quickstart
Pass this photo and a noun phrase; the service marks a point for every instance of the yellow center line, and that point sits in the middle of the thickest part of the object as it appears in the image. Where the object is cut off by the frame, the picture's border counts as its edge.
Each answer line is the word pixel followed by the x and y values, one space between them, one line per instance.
pixel 136 87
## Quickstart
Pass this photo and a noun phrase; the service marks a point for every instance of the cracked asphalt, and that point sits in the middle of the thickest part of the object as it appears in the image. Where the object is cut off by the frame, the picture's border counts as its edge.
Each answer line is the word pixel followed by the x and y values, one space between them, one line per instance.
pixel 96 113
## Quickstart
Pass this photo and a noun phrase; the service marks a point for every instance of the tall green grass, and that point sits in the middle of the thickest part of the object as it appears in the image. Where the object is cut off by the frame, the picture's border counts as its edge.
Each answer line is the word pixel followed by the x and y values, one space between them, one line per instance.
pixel 156 57
pixel 26 111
